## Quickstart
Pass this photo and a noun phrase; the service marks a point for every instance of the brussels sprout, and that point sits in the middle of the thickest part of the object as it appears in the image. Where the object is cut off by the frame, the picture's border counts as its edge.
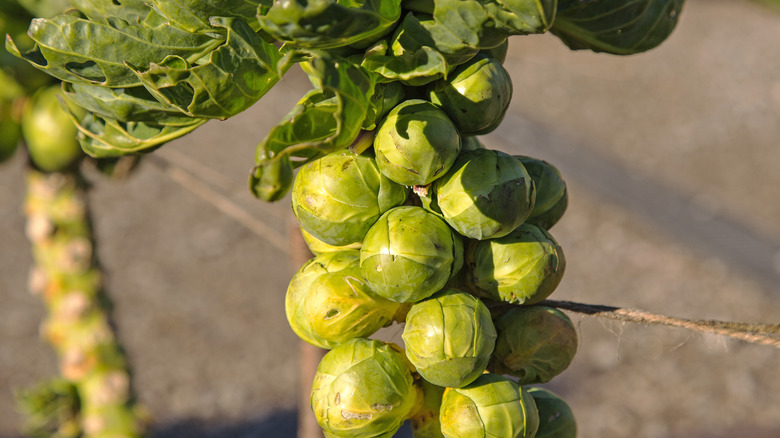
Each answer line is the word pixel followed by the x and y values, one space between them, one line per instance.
pixel 449 338
pixel 363 388
pixel 318 247
pixel 615 26
pixel 49 133
pixel 301 283
pixel 271 179
pixel 556 420
pixel 485 195
pixel 408 255
pixel 416 143
pixel 10 132
pixel 523 267
pixel 339 306
pixel 491 406
pixel 338 197
pixel 534 344
pixel 550 191
pixel 475 95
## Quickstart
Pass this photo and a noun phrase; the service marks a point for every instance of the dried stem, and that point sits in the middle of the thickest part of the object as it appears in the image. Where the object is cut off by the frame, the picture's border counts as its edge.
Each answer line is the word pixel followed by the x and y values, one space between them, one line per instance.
pixel 754 333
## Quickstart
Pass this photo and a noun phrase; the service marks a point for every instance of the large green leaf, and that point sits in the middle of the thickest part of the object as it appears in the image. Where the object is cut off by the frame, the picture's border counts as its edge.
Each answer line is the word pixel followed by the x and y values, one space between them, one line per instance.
pixel 487 23
pixel 425 48
pixel 194 15
pixel 328 23
pixel 132 11
pixel 43 8
pixel 102 137
pixel 620 27
pixel 416 57
pixel 133 104
pixel 235 76
pixel 324 120
pixel 76 50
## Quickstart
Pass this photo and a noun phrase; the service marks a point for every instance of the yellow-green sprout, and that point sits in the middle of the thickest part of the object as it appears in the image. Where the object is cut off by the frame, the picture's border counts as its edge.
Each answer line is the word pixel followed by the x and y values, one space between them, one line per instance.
pixel 338 197
pixel 485 195
pixel 491 406
pixel 449 338
pixel 534 344
pixel 416 143
pixel 523 267
pixel 556 420
pixel 409 254
pixel 475 95
pixel 363 388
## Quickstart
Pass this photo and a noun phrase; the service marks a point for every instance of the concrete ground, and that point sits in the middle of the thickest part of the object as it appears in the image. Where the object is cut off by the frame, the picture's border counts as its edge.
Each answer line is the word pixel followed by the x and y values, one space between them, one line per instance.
pixel 673 165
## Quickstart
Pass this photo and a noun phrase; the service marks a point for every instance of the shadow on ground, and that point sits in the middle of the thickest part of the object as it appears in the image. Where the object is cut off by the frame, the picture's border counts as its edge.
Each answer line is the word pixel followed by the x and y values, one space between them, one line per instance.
pixel 278 424
pixel 282 424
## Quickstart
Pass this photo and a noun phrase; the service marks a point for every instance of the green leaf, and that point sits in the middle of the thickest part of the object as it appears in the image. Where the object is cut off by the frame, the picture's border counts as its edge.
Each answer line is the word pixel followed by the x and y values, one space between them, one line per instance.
pixel 132 11
pixel 414 68
pixel 426 48
pixel 312 122
pixel 520 17
pixel 133 104
pixel 194 15
pixel 416 58
pixel 51 409
pixel 485 24
pixel 43 8
pixel 103 137
pixel 13 21
pixel 272 179
pixel 386 96
pixel 328 23
pixel 76 50
pixel 324 120
pixel 619 27
pixel 236 75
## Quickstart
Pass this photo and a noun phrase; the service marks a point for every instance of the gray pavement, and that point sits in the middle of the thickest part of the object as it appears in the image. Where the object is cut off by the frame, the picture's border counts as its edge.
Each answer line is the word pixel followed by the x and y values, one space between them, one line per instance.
pixel 672 162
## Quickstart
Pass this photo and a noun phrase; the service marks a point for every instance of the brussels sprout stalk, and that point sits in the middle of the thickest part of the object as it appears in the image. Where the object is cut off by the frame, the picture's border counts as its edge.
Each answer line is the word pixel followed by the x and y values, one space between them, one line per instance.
pixel 67 279
pixel 363 141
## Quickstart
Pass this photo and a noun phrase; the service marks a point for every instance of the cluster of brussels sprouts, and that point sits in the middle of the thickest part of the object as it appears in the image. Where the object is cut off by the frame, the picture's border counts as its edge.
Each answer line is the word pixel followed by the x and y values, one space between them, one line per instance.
pixel 423 225
pixel 429 228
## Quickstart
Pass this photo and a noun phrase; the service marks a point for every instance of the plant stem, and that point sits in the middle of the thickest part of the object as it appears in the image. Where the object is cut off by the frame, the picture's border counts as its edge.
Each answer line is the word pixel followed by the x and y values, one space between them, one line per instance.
pixel 753 333
pixel 68 280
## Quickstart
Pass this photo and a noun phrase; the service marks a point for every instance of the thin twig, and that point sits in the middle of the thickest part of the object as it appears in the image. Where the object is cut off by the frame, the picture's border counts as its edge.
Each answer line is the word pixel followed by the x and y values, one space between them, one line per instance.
pixel 222 203
pixel 753 333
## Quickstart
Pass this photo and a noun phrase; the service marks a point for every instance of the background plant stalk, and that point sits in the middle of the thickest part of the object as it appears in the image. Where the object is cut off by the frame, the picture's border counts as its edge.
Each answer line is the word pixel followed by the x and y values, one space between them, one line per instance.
pixel 67 278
